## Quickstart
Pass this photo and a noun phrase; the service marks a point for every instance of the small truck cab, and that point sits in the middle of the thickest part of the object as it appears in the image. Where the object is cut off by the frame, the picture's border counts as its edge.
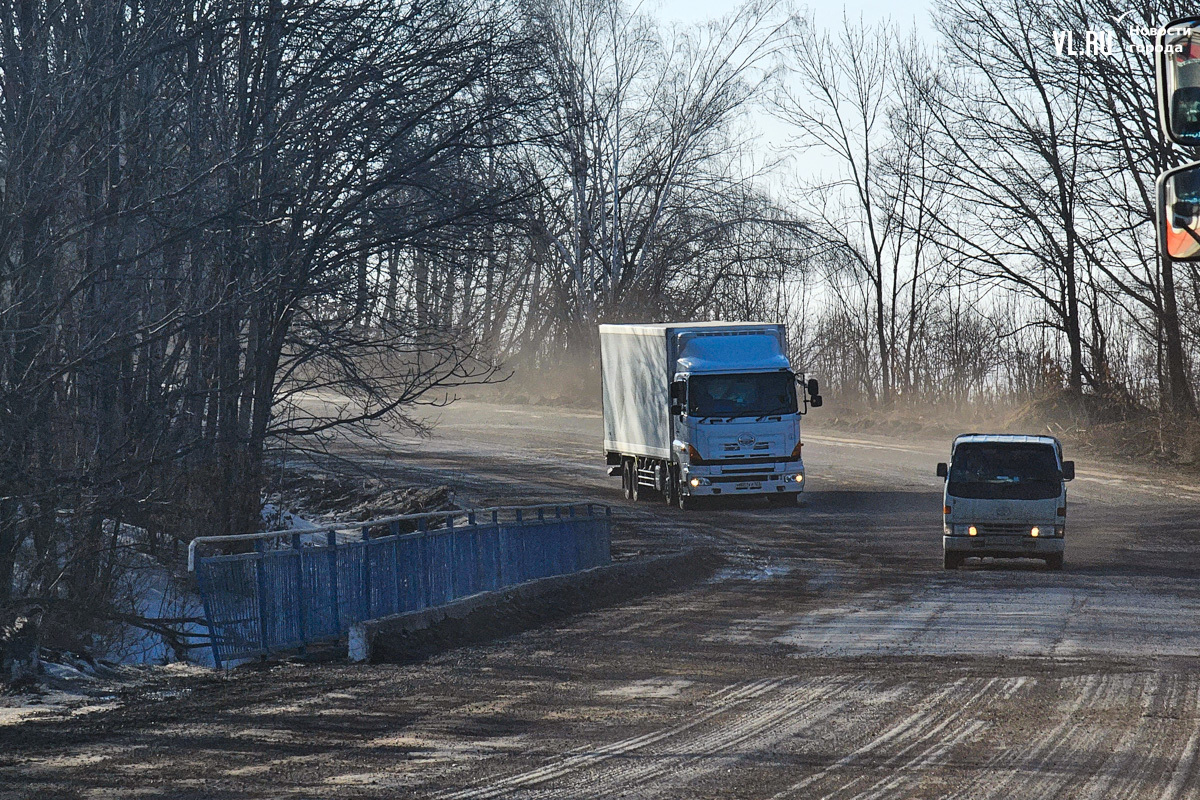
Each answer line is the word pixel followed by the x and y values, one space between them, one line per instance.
pixel 1005 497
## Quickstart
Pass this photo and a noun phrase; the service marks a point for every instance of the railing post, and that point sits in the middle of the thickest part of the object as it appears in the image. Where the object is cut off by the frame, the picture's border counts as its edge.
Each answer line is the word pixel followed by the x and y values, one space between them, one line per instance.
pixel 331 546
pixel 426 568
pixel 205 591
pixel 452 576
pixel 501 554
pixel 394 530
pixel 366 572
pixel 301 602
pixel 260 573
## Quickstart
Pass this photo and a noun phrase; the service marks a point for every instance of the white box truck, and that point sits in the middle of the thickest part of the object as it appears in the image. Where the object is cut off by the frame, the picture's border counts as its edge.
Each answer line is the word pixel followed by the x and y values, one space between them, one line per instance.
pixel 703 409
pixel 1005 497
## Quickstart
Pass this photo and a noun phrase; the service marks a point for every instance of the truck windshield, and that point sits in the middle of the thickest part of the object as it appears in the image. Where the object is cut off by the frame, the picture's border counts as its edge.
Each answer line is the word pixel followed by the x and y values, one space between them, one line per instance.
pixel 1005 471
pixel 747 394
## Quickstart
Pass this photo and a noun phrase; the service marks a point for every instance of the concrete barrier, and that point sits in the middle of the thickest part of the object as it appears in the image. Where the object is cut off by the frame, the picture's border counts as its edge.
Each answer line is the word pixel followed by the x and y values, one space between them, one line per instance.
pixel 557 596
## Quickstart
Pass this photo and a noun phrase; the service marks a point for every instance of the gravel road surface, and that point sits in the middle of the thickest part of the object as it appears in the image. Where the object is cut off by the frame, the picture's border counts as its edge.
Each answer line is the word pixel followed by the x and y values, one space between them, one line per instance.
pixel 830 657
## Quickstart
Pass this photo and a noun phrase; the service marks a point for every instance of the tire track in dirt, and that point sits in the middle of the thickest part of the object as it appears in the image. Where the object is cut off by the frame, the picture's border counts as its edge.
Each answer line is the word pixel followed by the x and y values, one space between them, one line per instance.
pixel 740 715
pixel 1008 764
pixel 925 736
pixel 1082 757
pixel 1180 784
pixel 682 762
pixel 1157 759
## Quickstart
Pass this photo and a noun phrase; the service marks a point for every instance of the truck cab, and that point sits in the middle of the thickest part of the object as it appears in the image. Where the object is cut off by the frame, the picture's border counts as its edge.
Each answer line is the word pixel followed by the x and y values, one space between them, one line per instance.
pixel 1005 496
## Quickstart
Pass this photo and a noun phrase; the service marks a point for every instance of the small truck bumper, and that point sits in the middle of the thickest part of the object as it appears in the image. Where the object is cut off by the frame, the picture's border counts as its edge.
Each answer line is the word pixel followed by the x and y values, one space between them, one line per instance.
pixel 1001 546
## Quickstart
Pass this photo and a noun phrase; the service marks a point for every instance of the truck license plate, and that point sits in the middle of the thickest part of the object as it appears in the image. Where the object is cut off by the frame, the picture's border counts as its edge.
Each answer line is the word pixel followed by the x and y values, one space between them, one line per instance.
pixel 749 486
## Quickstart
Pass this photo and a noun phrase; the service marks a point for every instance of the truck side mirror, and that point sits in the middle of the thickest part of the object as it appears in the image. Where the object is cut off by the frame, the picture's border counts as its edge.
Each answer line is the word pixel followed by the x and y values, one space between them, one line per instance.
pixel 814 390
pixel 676 409
pixel 1177 53
pixel 942 469
pixel 1068 471
pixel 678 389
pixel 816 401
pixel 1178 199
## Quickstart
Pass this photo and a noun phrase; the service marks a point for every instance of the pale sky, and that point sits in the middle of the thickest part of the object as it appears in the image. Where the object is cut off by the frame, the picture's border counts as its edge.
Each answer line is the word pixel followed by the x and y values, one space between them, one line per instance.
pixel 904 12
pixel 772 136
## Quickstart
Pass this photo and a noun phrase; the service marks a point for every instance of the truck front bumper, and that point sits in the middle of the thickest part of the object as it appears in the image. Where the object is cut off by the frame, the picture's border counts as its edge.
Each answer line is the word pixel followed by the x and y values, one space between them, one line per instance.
pixel 774 482
pixel 999 546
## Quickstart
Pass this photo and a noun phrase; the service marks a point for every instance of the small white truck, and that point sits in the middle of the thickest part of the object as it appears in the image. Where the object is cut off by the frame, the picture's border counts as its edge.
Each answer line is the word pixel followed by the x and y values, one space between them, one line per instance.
pixel 704 409
pixel 1005 496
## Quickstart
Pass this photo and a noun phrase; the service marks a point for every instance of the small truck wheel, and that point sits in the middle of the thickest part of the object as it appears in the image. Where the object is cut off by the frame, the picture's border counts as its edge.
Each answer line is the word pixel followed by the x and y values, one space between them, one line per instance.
pixel 952 560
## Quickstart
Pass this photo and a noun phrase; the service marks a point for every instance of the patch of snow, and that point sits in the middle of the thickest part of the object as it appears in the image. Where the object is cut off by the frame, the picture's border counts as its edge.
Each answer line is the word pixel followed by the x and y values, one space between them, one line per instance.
pixel 275 518
pixel 158 593
pixel 651 688
pixel 755 573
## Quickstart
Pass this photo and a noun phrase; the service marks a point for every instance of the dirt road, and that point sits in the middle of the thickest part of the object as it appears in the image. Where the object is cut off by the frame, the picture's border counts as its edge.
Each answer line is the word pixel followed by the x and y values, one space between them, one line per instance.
pixel 831 657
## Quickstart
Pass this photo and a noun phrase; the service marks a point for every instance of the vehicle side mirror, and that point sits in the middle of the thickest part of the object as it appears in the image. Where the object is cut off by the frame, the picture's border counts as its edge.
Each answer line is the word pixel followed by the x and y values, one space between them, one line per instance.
pixel 814 389
pixel 816 401
pixel 1178 198
pixel 942 469
pixel 1177 56
pixel 678 390
pixel 1068 471
pixel 676 409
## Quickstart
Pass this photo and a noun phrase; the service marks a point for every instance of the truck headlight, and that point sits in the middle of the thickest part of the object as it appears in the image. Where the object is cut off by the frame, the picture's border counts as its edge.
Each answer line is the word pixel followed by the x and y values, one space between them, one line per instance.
pixel 1035 531
pixel 699 482
pixel 799 477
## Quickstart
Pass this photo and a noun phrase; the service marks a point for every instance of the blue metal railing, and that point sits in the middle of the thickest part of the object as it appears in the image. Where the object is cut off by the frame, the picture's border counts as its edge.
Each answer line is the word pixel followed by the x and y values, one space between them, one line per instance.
pixel 303 587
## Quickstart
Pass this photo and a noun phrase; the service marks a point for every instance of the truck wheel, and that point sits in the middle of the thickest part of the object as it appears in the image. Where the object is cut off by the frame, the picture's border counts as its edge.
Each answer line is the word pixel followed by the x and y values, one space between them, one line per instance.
pixel 638 492
pixel 952 560
pixel 628 478
pixel 1054 561
pixel 783 499
pixel 671 490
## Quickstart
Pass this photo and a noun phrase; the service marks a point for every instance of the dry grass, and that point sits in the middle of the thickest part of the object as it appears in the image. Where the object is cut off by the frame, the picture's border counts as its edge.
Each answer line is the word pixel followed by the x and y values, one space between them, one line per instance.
pixel 1088 424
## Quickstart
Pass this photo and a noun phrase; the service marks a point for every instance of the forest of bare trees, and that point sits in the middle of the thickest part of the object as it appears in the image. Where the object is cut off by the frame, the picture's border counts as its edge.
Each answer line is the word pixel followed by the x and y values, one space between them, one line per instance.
pixel 212 213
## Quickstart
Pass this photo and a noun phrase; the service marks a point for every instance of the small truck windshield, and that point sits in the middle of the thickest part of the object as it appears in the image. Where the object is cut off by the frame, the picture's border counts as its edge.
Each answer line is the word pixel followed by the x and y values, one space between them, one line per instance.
pixel 747 394
pixel 1003 470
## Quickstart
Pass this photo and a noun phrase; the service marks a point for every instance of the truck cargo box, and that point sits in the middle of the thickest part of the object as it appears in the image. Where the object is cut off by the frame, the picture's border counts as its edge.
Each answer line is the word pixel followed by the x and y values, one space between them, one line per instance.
pixel 638 363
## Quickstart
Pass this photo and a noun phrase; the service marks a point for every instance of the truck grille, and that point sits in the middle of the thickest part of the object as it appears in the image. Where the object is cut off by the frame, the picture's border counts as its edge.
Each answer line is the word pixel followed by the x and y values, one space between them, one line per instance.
pixel 740 478
pixel 1004 529
pixel 734 461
